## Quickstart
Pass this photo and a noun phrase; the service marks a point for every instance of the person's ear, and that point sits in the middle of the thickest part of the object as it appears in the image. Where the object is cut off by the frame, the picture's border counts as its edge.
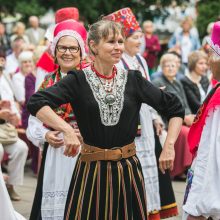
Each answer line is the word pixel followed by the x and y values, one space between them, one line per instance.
pixel 93 47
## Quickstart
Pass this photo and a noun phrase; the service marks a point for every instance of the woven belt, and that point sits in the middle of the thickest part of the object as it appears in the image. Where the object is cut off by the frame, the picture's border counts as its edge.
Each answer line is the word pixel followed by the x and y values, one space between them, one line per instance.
pixel 91 153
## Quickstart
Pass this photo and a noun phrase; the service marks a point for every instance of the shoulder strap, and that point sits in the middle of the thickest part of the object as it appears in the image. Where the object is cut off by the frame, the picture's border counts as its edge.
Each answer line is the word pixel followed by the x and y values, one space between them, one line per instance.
pixel 125 64
pixel 139 61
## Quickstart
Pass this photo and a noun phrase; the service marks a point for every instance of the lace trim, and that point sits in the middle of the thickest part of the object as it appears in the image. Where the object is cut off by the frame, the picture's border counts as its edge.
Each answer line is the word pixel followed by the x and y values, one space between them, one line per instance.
pixel 53 205
pixel 110 114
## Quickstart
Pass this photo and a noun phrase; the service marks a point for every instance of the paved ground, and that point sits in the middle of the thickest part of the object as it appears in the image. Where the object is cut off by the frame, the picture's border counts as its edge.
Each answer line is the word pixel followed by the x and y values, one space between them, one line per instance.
pixel 28 189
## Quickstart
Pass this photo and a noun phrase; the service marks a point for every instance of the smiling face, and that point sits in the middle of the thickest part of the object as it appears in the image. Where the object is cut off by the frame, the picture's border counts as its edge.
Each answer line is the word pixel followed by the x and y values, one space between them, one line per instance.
pixel 27 66
pixel 169 69
pixel 133 43
pixel 109 50
pixel 69 59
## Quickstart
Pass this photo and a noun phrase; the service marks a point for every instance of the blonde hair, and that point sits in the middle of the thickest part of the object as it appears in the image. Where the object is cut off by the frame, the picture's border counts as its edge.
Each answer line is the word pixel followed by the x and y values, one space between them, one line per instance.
pixel 167 57
pixel 38 51
pixel 147 22
pixel 194 57
pixel 18 26
pixel 187 19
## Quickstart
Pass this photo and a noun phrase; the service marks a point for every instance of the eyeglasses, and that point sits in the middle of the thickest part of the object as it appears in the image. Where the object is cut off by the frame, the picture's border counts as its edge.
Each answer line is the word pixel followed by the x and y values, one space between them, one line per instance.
pixel 63 49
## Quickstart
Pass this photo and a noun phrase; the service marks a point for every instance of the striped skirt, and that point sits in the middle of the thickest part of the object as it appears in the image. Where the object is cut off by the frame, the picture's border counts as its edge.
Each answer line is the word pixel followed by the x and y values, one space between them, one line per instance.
pixel 107 190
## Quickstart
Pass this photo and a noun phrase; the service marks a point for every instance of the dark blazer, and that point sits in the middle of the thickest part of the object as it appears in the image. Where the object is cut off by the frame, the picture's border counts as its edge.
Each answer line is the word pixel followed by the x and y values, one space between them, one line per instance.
pixel 192 92
pixel 176 88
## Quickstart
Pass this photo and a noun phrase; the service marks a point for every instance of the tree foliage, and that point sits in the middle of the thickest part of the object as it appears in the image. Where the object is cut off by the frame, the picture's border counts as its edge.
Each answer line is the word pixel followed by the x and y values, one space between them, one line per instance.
pixel 89 9
pixel 208 11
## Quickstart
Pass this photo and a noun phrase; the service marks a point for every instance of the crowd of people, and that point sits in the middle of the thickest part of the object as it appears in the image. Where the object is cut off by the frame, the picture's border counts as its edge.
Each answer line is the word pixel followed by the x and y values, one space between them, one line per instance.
pixel 106 122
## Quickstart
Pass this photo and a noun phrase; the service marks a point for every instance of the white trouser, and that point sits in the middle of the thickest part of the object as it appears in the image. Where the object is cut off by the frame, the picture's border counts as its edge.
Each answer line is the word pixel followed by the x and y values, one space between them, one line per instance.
pixel 17 158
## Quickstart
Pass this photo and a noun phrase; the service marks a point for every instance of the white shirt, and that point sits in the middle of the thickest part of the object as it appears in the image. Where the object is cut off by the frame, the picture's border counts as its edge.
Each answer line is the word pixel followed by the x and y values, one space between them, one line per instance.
pixel 36 34
pixel 11 64
pixel 6 93
pixel 202 93
pixel 186 46
pixel 18 83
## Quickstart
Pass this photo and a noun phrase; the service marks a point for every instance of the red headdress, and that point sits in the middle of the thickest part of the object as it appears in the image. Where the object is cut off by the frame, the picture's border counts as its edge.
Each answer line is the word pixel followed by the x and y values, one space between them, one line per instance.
pixel 70 28
pixel 64 14
pixel 126 17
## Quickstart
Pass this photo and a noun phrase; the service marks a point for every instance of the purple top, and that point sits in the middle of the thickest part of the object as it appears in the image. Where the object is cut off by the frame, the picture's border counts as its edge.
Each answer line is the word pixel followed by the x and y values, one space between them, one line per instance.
pixel 152 48
pixel 29 86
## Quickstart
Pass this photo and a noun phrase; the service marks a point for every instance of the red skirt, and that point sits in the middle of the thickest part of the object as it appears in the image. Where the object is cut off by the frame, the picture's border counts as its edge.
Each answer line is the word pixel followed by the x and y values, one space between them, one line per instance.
pixel 183 157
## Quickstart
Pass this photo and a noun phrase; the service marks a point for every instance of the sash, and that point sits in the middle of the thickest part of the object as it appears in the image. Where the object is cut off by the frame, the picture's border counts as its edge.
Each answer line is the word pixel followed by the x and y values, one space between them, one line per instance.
pixel 195 132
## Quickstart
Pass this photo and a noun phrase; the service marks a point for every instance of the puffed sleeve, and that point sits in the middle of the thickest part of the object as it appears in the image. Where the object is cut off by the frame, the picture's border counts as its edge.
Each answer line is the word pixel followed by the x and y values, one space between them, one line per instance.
pixel 204 194
pixel 61 93
pixel 165 103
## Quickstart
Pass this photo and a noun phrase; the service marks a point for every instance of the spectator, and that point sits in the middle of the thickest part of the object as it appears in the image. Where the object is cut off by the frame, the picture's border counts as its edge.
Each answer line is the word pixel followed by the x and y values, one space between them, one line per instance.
pixel 35 33
pixel 152 46
pixel 26 66
pixel 184 40
pixel 196 83
pixel 4 39
pixel 17 151
pixel 170 84
pixel 11 65
pixel 181 68
pixel 19 31
pixel 205 43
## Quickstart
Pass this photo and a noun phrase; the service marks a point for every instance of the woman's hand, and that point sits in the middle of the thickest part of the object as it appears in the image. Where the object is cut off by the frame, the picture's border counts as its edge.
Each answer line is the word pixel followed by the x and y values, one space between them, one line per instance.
pixel 5 114
pixel 191 217
pixel 167 156
pixel 53 139
pixel 78 134
pixel 4 104
pixel 14 119
pixel 188 120
pixel 71 142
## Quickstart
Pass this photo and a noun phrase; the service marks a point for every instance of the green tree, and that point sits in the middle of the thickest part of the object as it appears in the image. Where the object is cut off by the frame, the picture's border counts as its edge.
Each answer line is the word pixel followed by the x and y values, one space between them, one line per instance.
pixel 208 11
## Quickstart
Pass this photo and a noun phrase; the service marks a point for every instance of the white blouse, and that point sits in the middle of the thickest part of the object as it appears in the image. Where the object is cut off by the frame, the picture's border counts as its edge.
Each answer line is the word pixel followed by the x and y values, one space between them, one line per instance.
pixel 204 195
pixel 18 83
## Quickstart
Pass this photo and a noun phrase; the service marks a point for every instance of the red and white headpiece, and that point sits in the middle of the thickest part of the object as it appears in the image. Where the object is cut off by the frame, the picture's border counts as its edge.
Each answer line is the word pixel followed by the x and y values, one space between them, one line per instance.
pixel 126 17
pixel 64 14
pixel 70 28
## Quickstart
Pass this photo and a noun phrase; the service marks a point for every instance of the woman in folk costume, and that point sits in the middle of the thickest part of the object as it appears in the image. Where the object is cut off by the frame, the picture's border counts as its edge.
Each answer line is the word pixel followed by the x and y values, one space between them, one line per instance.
pixel 131 59
pixel 202 196
pixel 145 142
pixel 107 182
pixel 68 49
pixel 46 63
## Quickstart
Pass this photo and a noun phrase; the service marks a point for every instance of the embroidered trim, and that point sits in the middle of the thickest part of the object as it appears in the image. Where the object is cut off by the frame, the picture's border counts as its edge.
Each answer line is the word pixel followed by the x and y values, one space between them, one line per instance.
pixel 110 114
pixel 53 205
